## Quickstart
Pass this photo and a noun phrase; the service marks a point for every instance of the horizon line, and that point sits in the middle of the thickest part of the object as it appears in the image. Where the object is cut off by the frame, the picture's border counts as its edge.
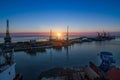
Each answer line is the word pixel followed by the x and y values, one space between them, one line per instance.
pixel 116 33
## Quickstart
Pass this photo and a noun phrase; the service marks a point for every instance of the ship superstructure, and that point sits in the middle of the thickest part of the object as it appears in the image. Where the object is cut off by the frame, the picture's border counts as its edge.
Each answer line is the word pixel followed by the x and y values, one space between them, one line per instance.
pixel 106 61
pixel 7 65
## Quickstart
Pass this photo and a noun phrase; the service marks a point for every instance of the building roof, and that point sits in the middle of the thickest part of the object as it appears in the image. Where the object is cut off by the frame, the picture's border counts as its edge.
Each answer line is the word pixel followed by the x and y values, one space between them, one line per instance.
pixel 114 74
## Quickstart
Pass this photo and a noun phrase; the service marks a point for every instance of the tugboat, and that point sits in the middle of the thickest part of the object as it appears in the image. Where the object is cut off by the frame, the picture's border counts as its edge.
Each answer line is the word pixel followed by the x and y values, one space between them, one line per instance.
pixel 107 61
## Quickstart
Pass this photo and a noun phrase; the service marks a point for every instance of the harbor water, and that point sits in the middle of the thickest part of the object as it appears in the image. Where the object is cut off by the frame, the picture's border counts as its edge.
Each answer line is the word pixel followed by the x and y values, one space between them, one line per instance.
pixel 31 64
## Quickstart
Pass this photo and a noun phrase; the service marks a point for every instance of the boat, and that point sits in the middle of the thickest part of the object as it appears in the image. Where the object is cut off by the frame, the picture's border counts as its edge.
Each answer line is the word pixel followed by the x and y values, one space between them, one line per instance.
pixel 7 65
pixel 106 60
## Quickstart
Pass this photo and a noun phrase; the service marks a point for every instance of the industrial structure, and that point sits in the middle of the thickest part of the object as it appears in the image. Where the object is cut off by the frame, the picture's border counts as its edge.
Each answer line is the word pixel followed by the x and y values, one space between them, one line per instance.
pixel 7 38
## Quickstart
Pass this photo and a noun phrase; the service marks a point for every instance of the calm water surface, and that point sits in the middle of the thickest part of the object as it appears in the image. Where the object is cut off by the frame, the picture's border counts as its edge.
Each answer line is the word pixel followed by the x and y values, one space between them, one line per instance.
pixel 30 65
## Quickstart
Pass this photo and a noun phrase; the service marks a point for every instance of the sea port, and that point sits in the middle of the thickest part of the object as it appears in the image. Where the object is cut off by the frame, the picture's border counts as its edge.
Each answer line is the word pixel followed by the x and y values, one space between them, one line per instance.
pixel 87 72
pixel 59 40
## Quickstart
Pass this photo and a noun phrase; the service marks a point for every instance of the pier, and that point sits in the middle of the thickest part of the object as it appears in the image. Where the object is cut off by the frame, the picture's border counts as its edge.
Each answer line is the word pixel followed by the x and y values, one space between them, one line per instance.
pixel 23 46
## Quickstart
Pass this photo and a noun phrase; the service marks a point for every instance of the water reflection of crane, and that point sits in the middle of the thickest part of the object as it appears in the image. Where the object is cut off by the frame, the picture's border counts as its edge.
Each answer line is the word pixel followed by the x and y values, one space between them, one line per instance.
pixel 51 55
pixel 67 52
pixel 67 47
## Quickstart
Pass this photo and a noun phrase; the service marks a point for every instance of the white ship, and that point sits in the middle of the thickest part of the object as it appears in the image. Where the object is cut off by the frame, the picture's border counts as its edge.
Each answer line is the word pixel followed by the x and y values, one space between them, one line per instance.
pixel 7 65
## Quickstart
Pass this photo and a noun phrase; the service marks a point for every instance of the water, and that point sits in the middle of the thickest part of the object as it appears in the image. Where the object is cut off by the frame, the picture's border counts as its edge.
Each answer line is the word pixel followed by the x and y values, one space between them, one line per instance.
pixel 30 65
pixel 28 38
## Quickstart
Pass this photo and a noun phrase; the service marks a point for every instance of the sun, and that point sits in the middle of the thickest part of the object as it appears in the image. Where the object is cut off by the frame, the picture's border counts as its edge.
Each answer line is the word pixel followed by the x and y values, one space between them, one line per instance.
pixel 58 34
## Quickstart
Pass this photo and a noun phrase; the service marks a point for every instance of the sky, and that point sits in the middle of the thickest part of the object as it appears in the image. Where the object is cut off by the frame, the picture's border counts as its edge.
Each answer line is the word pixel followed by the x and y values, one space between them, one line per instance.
pixel 43 15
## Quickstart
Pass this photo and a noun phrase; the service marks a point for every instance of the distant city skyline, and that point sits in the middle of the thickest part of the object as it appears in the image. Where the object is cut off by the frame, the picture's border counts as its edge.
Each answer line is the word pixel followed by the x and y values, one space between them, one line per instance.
pixel 42 15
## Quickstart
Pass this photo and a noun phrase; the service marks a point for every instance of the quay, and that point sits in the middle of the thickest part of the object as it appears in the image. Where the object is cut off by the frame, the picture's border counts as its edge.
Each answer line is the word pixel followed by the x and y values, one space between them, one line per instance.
pixel 22 46
pixel 28 45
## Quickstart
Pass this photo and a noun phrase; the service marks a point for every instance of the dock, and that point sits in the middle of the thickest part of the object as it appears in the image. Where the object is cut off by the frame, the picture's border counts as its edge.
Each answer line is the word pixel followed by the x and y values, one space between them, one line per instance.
pixel 40 45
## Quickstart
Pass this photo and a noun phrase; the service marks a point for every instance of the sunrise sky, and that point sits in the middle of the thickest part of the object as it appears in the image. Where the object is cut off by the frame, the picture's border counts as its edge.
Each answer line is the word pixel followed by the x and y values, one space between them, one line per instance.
pixel 43 15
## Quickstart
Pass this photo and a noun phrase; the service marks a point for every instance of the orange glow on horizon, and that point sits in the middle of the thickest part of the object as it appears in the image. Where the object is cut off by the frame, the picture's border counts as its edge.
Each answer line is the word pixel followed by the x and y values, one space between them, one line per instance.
pixel 59 34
